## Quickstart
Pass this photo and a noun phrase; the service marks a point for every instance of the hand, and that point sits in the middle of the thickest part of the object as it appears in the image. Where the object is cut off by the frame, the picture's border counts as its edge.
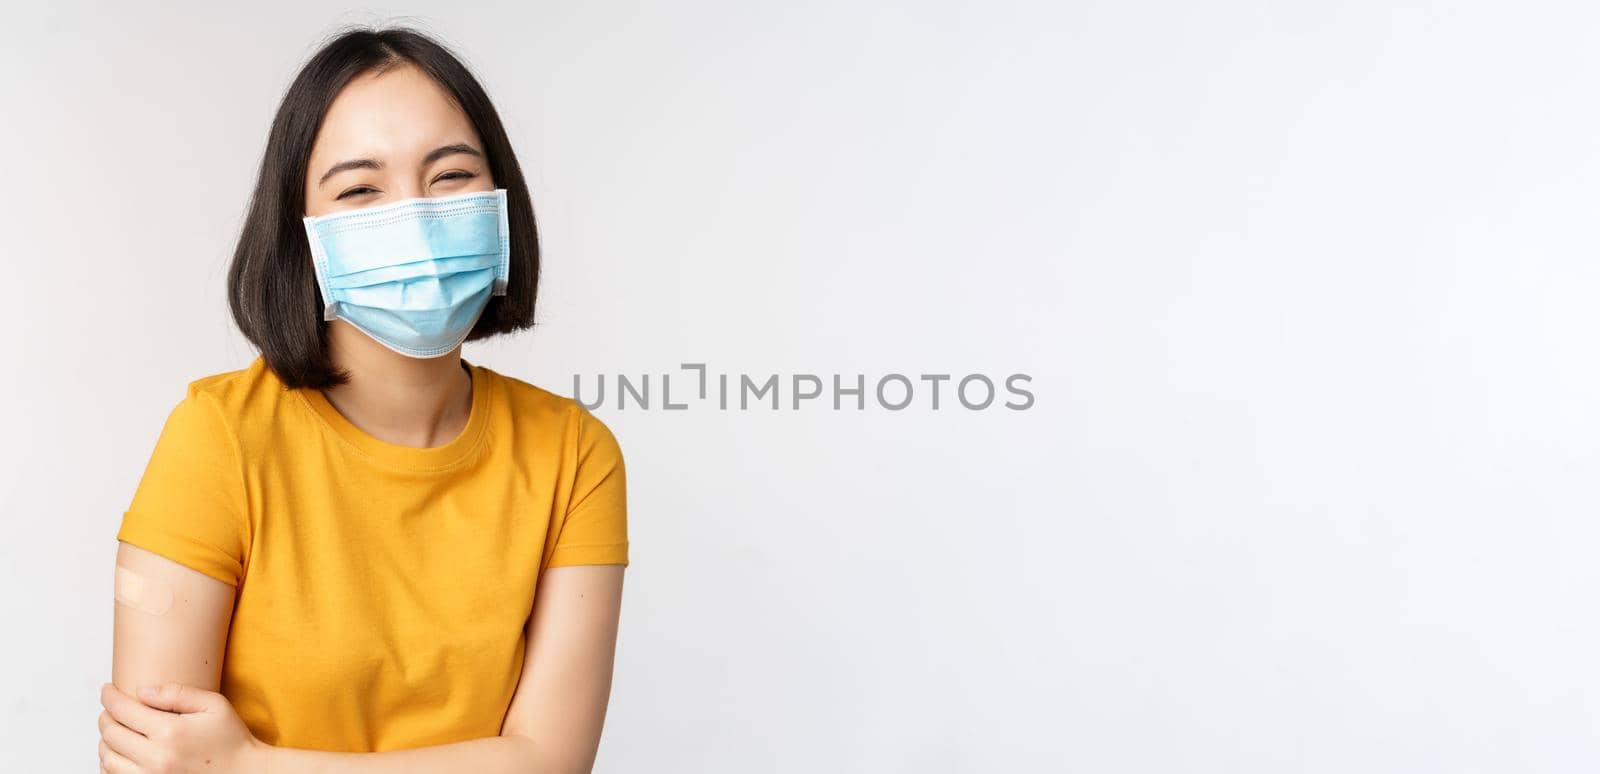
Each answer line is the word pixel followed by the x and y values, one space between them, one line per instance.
pixel 174 729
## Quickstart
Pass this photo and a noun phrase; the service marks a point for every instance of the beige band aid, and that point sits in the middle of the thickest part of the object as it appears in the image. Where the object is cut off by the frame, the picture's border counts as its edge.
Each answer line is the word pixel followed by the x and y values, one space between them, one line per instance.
pixel 152 595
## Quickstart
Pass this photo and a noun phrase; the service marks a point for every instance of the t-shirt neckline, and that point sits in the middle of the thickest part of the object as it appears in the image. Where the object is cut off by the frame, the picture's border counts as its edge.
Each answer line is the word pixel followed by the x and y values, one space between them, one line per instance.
pixel 415 458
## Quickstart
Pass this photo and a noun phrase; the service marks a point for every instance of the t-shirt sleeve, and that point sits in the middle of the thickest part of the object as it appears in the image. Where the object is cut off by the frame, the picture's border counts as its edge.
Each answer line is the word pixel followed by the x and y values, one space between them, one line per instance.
pixel 190 504
pixel 595 528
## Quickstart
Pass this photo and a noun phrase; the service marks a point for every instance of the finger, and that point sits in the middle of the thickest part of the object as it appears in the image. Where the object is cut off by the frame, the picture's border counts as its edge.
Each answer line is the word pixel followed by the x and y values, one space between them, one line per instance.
pixel 125 741
pixel 130 712
pixel 114 763
pixel 177 697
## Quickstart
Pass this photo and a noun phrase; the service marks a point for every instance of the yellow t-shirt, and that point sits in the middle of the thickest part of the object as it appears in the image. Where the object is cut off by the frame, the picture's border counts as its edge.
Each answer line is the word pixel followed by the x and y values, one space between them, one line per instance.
pixel 381 589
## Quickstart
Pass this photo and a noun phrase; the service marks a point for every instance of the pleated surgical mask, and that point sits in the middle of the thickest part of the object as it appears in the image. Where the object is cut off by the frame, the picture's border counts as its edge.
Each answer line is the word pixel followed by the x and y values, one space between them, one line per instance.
pixel 416 274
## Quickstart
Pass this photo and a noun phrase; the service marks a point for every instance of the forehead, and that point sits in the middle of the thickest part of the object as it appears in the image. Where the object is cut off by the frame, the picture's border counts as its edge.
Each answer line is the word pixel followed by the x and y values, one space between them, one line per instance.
pixel 397 115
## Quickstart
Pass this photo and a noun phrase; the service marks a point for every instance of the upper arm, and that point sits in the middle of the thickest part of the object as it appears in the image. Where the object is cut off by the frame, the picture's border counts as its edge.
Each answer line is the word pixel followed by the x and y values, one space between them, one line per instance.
pixel 561 698
pixel 179 635
pixel 184 538
pixel 560 701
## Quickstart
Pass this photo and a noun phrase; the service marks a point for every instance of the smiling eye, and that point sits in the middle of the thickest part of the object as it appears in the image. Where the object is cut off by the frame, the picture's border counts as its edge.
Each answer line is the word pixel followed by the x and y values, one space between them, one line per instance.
pixel 360 189
pixel 455 175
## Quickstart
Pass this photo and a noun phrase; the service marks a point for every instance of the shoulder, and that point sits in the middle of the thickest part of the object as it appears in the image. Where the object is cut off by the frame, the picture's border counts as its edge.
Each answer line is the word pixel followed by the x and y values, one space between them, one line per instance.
pixel 538 407
pixel 235 400
pixel 240 383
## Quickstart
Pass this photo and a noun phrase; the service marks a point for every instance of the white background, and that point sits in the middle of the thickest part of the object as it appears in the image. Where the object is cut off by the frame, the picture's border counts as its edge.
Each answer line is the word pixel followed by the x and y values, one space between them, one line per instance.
pixel 1307 292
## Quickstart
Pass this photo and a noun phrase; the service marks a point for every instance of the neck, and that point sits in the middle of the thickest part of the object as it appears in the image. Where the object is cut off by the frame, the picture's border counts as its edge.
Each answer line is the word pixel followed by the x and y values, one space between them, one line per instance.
pixel 401 400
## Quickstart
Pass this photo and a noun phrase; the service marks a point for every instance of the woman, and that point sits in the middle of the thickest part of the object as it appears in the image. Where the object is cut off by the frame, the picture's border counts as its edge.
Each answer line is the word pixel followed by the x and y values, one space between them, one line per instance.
pixel 330 563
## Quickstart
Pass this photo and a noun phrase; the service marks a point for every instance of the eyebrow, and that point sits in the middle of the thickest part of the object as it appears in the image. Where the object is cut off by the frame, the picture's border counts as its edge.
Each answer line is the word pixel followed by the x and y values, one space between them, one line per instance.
pixel 433 155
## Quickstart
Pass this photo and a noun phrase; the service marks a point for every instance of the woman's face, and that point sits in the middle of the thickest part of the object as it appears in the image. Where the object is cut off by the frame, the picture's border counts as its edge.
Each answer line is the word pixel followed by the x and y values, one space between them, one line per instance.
pixel 389 137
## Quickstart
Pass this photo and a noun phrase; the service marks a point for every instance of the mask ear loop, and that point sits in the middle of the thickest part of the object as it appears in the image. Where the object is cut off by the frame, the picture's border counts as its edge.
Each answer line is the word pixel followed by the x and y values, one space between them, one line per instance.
pixel 319 264
pixel 502 280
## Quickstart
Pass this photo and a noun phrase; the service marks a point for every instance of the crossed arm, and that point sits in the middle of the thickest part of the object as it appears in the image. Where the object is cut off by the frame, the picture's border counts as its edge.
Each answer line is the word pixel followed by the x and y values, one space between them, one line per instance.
pixel 552 725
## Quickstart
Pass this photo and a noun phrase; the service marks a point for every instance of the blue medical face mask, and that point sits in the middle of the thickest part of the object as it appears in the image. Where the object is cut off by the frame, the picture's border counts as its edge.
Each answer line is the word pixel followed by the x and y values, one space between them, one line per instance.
pixel 416 274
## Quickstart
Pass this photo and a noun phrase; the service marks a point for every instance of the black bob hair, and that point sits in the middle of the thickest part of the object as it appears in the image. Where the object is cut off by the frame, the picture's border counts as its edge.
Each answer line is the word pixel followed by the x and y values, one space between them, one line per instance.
pixel 272 287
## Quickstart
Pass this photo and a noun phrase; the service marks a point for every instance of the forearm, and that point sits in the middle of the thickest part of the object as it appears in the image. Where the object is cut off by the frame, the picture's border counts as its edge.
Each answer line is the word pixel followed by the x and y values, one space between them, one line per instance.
pixel 489 755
